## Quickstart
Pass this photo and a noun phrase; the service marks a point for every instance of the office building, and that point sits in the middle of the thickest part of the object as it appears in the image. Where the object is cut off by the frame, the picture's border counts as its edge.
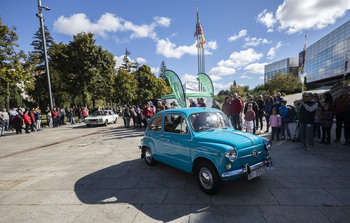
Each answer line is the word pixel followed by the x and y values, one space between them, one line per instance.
pixel 285 66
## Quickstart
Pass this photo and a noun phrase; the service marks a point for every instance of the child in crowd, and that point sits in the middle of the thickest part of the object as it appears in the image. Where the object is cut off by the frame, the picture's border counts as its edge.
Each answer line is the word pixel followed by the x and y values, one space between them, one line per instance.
pixel 326 118
pixel 249 116
pixel 275 122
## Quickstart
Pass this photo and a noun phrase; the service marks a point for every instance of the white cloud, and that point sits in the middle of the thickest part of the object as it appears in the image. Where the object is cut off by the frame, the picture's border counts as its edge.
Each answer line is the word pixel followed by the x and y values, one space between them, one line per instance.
pixel 243 76
pixel 244 57
pixel 272 52
pixel 141 60
pixel 294 16
pixel 108 22
pixel 118 60
pixel 80 23
pixel 237 60
pixel 163 21
pixel 168 49
pixel 255 41
pixel 267 19
pixel 255 68
pixel 155 70
pixel 188 78
pixel 220 86
pixel 261 78
pixel 215 77
pixel 241 33
pixel 222 71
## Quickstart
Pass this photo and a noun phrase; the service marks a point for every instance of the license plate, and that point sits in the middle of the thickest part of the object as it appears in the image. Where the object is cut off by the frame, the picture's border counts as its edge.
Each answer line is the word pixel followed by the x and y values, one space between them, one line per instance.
pixel 257 172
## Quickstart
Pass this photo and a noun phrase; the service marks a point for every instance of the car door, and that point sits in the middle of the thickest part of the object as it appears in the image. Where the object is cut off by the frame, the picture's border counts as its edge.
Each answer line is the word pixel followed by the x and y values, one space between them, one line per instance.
pixel 175 143
pixel 154 134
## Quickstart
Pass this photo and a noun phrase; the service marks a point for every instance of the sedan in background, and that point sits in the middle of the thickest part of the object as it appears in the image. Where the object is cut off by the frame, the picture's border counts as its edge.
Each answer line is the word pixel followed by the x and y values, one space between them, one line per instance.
pixel 104 117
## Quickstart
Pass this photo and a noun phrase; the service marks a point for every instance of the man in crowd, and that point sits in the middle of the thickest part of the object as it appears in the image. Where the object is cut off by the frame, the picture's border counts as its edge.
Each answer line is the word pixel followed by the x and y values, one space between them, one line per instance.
pixel 6 118
pixel 278 100
pixel 236 110
pixel 260 113
pixel 192 103
pixel 307 109
pixel 339 109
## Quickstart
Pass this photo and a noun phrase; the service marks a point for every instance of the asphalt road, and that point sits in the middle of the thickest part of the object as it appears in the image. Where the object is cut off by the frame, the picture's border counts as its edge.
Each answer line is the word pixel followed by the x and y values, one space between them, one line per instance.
pixel 79 174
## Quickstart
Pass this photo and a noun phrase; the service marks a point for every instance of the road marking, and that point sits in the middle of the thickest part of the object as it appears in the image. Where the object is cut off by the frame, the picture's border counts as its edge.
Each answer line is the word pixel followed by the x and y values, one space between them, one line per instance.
pixel 47 145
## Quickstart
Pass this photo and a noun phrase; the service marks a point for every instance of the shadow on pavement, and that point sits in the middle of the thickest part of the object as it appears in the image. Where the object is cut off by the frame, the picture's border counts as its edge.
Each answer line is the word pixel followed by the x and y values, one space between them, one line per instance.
pixel 161 192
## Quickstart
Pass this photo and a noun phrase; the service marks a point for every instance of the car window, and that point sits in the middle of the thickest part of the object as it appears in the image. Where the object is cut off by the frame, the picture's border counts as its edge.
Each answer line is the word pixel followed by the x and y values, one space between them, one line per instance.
pixel 156 124
pixel 175 124
pixel 204 121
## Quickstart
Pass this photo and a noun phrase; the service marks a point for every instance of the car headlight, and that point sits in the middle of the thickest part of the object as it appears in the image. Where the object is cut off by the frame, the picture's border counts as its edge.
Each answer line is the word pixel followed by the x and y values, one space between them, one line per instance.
pixel 231 155
pixel 268 144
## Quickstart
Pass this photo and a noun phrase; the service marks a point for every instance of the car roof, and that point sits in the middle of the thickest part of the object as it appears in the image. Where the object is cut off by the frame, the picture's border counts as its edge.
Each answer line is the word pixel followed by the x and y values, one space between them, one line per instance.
pixel 188 111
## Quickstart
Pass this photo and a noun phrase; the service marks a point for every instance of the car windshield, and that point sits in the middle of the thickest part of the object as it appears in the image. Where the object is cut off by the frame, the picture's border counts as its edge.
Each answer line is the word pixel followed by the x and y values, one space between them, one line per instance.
pixel 99 113
pixel 203 121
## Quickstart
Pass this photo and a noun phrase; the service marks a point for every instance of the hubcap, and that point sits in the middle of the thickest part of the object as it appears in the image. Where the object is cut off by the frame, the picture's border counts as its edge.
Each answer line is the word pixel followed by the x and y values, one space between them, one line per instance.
pixel 206 178
pixel 148 156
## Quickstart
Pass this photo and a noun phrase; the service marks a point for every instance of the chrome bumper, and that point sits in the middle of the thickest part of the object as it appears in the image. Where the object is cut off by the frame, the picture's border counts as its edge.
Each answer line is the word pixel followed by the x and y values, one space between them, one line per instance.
pixel 246 170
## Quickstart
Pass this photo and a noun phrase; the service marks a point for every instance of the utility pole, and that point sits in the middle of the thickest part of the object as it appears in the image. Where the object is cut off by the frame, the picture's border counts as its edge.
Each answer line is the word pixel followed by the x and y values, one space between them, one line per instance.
pixel 41 19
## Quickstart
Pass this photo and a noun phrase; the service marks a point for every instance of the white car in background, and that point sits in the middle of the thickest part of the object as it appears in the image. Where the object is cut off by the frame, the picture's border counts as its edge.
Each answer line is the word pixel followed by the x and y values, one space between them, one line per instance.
pixel 104 117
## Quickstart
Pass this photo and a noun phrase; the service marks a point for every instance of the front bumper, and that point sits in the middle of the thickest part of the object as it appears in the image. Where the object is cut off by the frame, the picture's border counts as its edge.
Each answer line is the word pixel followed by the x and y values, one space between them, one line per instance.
pixel 246 170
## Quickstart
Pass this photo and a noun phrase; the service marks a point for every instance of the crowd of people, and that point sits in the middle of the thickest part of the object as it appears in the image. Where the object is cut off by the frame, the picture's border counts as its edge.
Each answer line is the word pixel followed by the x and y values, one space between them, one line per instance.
pixel 31 118
pixel 313 118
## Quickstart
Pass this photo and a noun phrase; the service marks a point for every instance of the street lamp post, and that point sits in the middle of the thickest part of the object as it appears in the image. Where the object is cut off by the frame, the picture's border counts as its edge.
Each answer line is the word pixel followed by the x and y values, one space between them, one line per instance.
pixel 41 19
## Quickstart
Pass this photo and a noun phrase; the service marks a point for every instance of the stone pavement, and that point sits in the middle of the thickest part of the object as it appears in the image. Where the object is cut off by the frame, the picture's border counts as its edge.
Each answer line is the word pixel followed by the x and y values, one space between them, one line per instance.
pixel 79 174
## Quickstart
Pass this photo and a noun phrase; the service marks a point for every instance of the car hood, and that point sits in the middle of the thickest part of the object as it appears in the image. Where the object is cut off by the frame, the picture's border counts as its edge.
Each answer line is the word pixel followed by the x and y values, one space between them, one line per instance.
pixel 94 117
pixel 234 138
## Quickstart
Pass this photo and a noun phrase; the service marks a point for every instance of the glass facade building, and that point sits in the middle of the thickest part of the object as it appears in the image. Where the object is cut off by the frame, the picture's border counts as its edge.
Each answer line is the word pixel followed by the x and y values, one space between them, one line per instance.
pixel 285 66
pixel 325 58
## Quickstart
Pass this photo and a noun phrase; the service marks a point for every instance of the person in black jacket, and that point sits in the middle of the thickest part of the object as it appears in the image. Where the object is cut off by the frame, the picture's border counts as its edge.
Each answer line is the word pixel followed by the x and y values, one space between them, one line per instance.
pixel 260 113
pixel 307 109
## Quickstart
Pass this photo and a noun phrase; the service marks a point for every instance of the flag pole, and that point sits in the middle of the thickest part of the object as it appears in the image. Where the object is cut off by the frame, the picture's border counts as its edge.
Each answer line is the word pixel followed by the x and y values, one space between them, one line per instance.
pixel 302 69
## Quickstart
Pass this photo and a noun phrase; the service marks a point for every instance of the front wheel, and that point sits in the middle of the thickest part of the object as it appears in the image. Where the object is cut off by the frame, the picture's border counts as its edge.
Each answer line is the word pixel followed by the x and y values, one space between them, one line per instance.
pixel 208 178
pixel 106 122
pixel 147 155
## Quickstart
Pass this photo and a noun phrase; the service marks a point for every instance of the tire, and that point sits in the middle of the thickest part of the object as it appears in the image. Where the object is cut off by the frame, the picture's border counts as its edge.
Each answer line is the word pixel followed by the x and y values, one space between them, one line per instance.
pixel 147 155
pixel 115 121
pixel 106 123
pixel 88 125
pixel 208 178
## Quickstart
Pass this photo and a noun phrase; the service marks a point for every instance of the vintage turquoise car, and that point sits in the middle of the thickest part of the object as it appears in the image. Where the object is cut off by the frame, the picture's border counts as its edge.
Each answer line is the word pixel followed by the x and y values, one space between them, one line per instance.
pixel 202 141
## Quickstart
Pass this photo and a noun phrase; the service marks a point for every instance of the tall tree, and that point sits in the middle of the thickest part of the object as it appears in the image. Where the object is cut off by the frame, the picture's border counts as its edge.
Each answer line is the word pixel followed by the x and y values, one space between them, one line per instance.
pixel 37 60
pixel 124 87
pixel 162 70
pixel 146 83
pixel 12 70
pixel 128 65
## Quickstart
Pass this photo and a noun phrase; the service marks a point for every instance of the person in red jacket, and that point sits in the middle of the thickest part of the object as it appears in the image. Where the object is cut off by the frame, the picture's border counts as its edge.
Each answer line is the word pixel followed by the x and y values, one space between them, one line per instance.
pixel 148 112
pixel 236 110
pixel 54 117
pixel 25 117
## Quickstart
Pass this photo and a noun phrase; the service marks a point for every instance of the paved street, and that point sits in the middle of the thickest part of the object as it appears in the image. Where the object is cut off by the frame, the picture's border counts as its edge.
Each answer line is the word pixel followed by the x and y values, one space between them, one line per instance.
pixel 79 174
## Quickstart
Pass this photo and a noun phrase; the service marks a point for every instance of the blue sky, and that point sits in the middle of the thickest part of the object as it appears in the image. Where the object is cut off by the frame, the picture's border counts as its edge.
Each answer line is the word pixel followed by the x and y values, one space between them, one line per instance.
pixel 241 35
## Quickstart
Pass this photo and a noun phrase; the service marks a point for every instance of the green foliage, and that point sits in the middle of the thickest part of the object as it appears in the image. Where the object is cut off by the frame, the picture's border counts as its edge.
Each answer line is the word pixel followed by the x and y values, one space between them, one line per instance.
pixel 13 70
pixel 124 87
